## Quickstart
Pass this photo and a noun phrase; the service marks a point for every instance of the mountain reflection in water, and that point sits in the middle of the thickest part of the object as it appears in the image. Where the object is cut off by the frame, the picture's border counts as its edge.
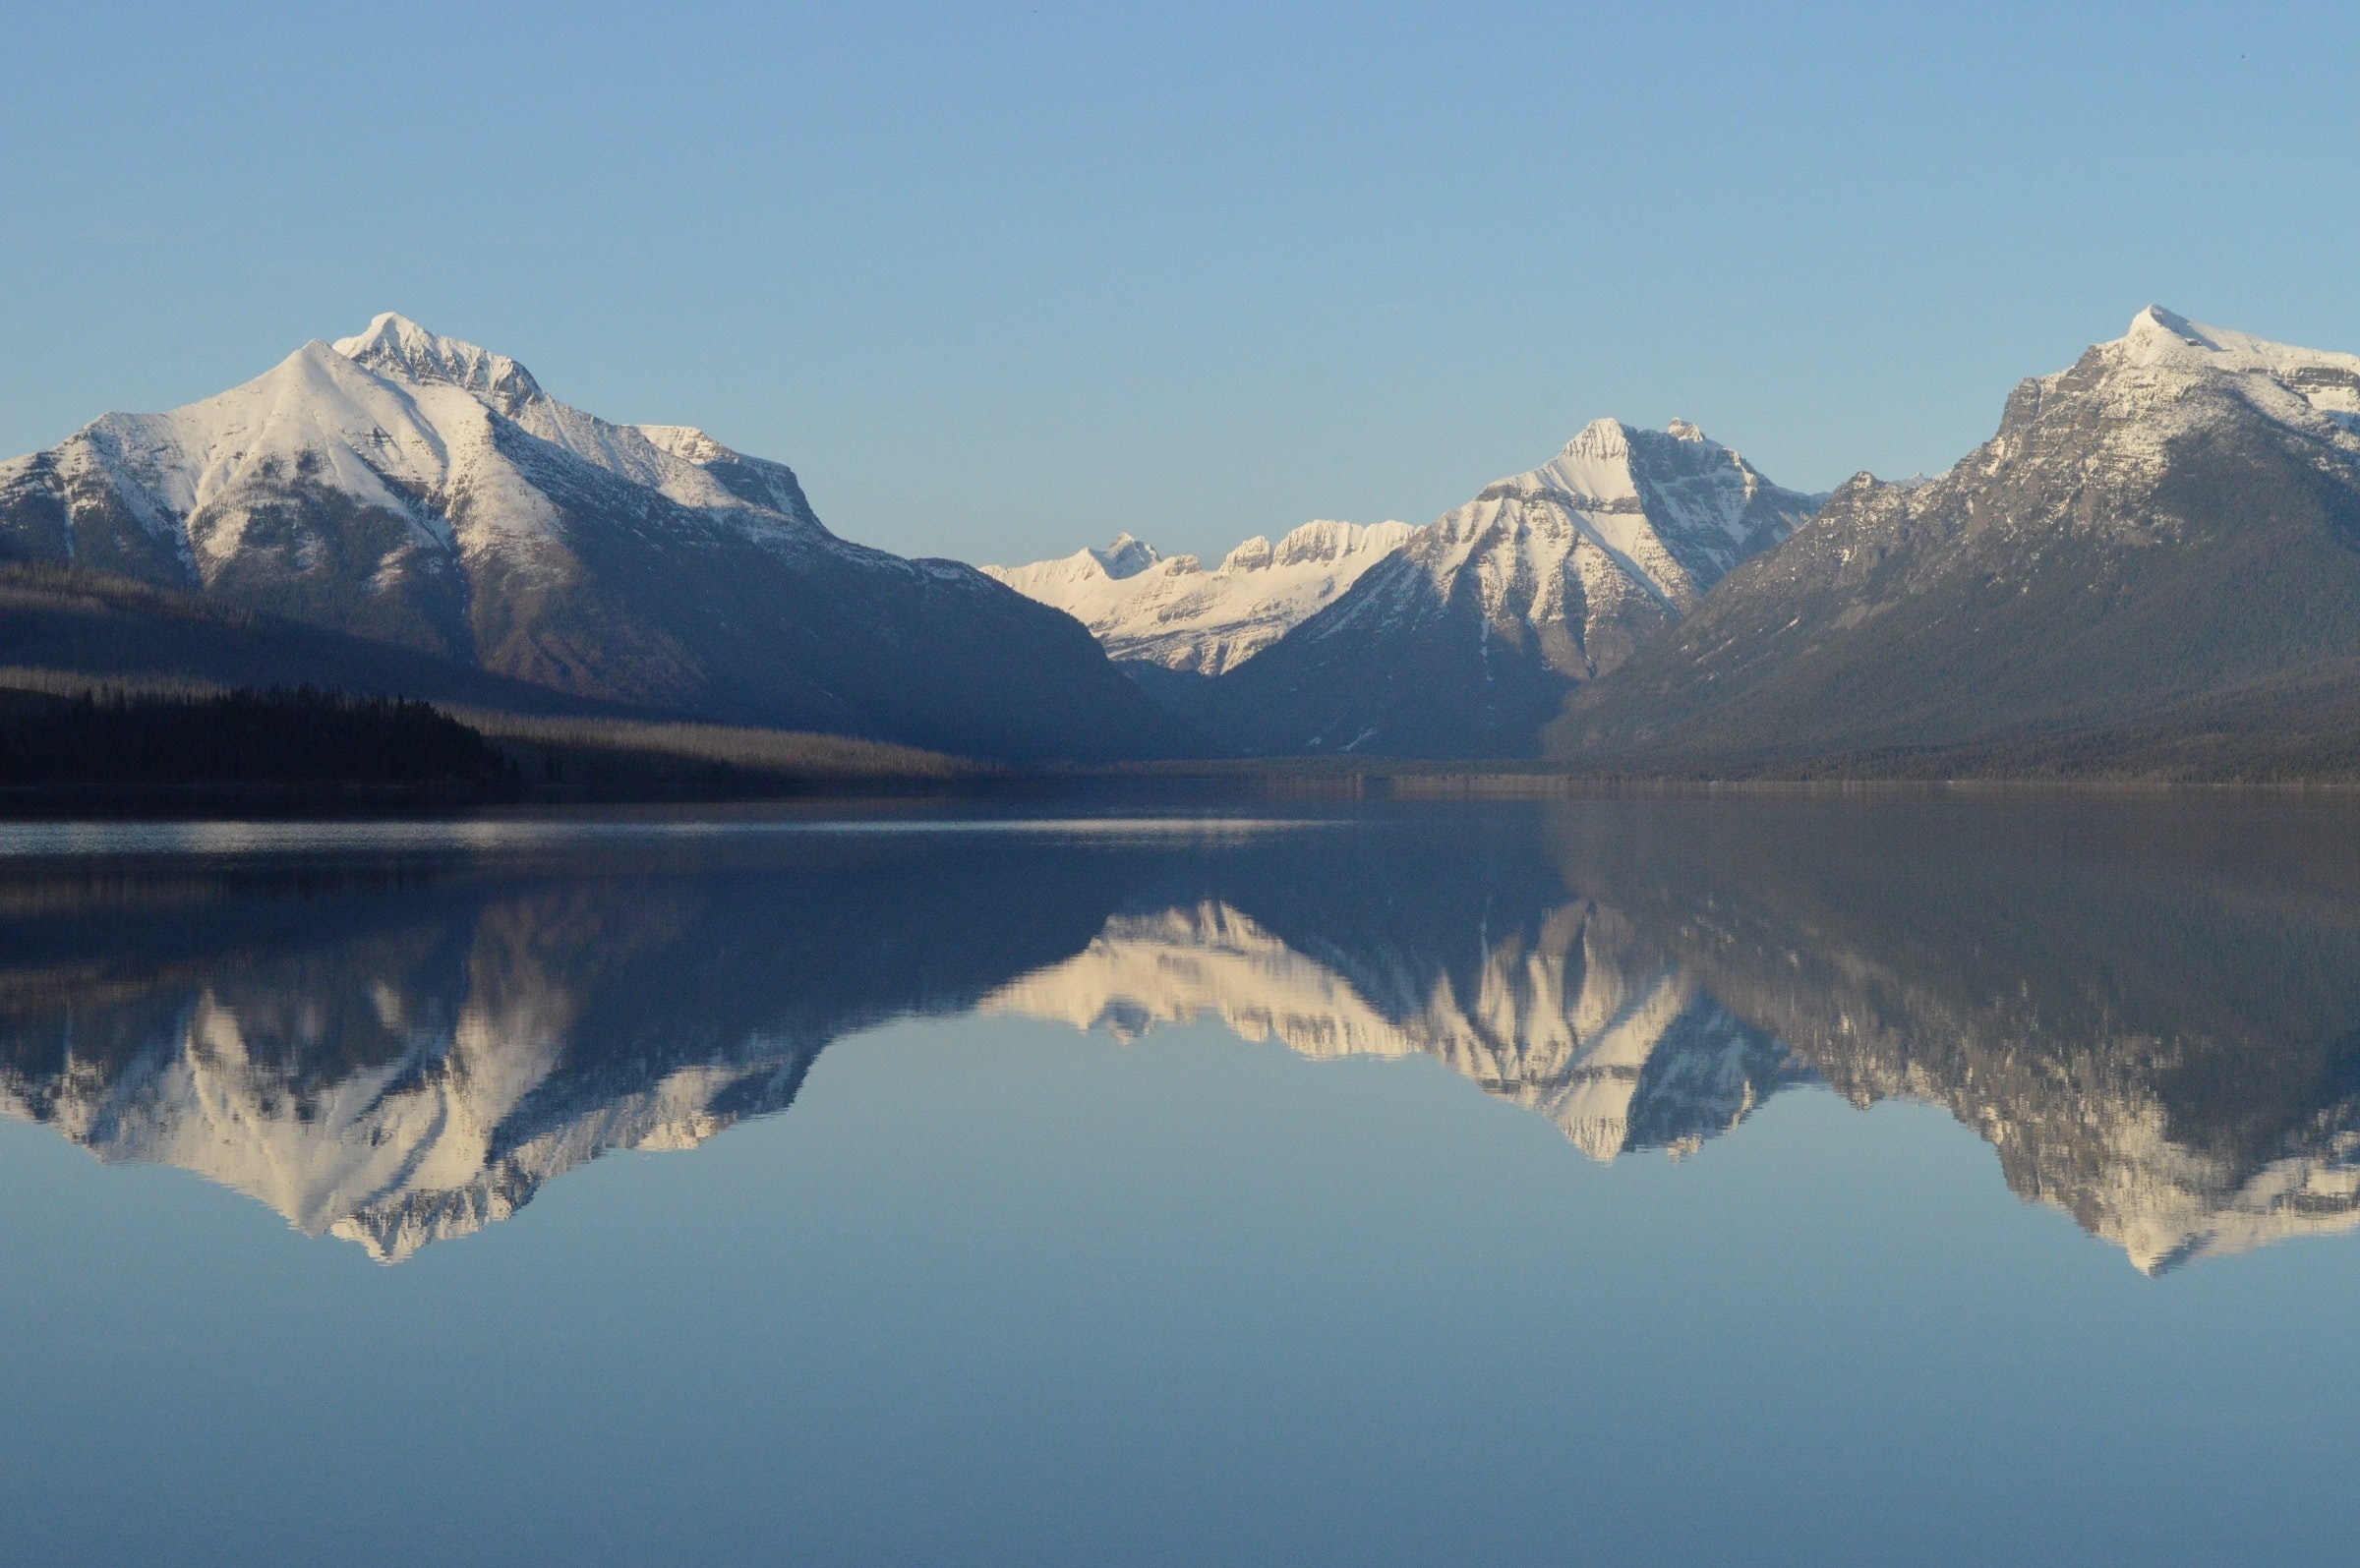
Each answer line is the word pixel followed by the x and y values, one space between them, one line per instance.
pixel 2150 1008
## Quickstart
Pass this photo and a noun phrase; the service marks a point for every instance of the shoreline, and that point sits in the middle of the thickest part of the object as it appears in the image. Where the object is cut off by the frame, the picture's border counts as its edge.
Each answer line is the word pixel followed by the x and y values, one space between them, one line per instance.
pixel 152 803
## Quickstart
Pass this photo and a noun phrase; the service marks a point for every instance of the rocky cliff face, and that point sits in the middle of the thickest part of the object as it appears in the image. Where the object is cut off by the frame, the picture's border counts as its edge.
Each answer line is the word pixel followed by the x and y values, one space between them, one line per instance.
pixel 2174 520
pixel 1466 639
pixel 425 495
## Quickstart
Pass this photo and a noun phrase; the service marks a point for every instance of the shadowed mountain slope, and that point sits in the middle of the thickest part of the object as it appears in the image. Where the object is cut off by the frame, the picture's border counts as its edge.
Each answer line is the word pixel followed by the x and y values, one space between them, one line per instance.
pixel 2161 540
pixel 66 620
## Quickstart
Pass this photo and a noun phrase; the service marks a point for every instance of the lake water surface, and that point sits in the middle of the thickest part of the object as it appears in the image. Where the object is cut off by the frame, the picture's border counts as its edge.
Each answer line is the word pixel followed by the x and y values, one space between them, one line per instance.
pixel 1712 1180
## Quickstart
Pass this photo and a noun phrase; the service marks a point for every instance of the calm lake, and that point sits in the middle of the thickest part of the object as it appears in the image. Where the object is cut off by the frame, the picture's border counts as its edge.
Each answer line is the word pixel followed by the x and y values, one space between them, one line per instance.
pixel 1750 1178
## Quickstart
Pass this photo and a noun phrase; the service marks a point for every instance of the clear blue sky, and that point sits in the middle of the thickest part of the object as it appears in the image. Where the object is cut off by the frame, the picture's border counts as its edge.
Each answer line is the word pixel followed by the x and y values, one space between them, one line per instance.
pixel 998 280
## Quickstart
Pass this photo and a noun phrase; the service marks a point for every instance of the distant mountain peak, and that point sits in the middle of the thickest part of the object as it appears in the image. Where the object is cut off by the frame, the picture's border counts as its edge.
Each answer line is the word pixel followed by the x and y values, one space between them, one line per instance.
pixel 1126 556
pixel 2162 338
pixel 2156 318
pixel 1146 606
pixel 1600 438
pixel 1325 539
pixel 1466 639
pixel 1615 439
pixel 1251 554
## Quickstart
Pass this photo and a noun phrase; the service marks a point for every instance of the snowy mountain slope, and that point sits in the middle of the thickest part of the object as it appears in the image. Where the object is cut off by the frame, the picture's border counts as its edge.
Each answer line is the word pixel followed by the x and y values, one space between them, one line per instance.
pixel 426 494
pixel 1169 610
pixel 1465 639
pixel 679 461
pixel 2175 516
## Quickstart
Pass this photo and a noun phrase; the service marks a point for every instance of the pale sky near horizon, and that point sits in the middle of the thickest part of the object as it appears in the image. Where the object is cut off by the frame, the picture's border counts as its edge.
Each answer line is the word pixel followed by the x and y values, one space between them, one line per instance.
pixel 1002 280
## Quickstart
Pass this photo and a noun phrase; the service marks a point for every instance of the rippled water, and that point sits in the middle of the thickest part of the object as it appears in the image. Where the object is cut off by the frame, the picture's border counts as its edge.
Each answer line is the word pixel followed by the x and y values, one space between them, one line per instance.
pixel 1653 1180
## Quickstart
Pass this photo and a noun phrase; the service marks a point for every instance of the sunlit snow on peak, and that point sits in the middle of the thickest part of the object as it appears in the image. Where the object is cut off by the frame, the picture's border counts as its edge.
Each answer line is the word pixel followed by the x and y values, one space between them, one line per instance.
pixel 1141 605
pixel 393 344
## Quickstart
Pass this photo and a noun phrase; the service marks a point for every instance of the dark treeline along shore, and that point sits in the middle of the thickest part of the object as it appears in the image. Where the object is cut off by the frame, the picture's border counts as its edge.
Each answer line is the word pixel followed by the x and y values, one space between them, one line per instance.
pixel 304 747
pixel 296 742
pixel 108 750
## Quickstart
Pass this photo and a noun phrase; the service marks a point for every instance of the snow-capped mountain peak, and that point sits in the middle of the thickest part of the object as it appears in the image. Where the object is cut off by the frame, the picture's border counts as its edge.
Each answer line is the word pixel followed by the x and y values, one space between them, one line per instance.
pixel 682 462
pixel 1250 555
pixel 423 493
pixel 396 418
pixel 1600 438
pixel 1619 508
pixel 1167 610
pixel 2156 321
pixel 1126 556
pixel 304 412
pixel 1468 637
pixel 396 346
pixel 2194 480
pixel 2162 341
pixel 1665 512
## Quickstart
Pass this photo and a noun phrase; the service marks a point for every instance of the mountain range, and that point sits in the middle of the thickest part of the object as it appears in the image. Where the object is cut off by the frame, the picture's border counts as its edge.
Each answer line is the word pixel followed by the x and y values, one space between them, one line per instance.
pixel 1149 608
pixel 2152 569
pixel 2161 545
pixel 1460 638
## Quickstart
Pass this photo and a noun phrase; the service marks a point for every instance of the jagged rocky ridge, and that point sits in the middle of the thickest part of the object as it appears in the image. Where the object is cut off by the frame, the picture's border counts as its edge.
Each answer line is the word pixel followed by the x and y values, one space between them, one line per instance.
pixel 1464 642
pixel 1146 607
pixel 2153 566
pixel 412 492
